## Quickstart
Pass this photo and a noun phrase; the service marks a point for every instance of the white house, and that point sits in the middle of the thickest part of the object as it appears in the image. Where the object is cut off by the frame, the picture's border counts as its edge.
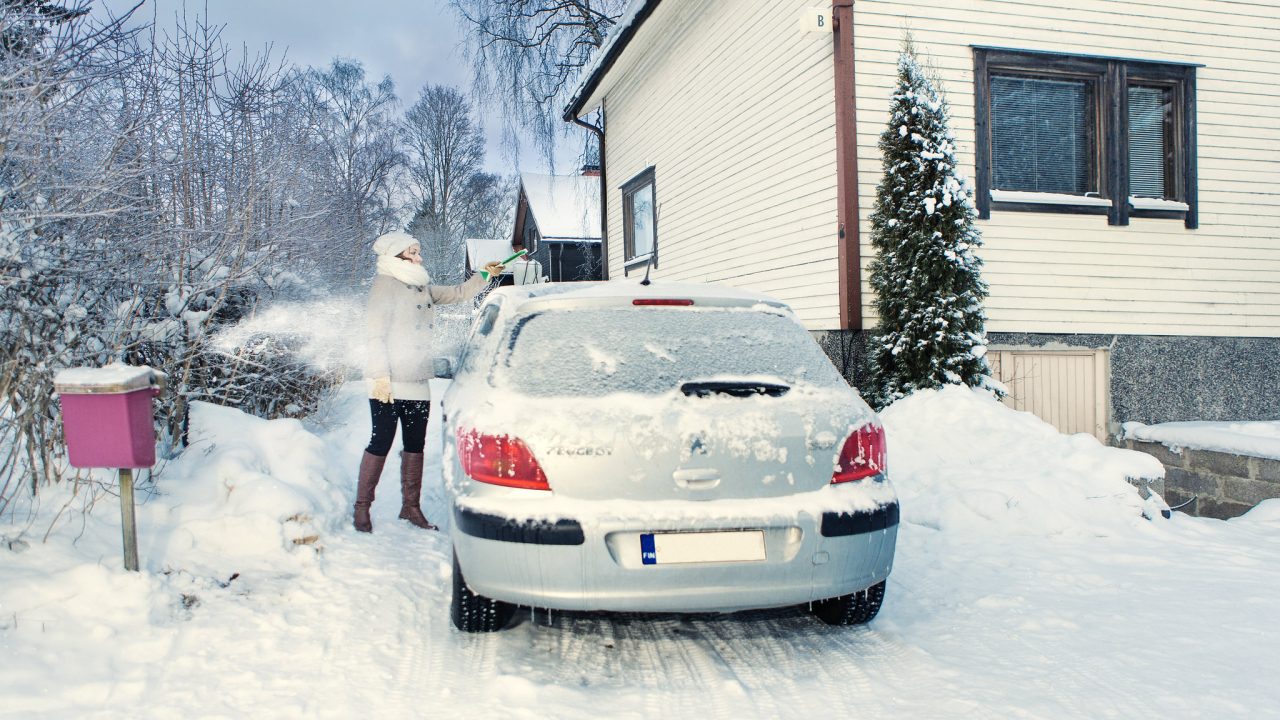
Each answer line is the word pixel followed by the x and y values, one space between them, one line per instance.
pixel 1125 155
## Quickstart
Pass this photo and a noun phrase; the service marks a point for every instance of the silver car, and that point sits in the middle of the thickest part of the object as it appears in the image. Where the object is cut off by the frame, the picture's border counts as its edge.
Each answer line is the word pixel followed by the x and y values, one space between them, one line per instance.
pixel 665 448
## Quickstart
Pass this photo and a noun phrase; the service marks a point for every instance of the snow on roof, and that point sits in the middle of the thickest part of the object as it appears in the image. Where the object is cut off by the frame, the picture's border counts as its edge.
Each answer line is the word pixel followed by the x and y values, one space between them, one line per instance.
pixel 481 251
pixel 564 206
pixel 619 35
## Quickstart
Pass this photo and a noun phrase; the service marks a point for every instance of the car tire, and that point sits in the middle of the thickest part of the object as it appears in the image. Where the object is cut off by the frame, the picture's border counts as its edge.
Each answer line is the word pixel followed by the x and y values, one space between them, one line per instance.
pixel 852 609
pixel 475 613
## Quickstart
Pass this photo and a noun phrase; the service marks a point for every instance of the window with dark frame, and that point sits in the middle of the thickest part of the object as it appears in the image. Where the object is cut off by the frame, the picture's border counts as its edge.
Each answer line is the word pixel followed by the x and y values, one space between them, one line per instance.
pixel 640 218
pixel 1084 134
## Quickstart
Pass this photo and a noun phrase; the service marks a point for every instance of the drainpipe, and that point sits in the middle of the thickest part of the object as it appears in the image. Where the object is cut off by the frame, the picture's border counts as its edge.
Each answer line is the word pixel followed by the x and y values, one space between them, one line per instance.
pixel 604 194
pixel 849 251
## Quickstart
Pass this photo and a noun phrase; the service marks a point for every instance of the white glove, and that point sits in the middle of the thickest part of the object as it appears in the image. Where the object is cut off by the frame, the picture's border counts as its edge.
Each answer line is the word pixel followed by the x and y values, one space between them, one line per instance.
pixel 381 390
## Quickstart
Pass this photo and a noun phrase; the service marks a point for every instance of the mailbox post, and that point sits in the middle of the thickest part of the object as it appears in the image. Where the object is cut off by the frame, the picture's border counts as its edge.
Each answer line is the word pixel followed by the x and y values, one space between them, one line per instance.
pixel 107 421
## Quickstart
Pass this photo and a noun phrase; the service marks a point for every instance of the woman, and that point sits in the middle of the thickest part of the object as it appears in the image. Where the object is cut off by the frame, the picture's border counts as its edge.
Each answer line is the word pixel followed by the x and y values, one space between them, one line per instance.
pixel 400 319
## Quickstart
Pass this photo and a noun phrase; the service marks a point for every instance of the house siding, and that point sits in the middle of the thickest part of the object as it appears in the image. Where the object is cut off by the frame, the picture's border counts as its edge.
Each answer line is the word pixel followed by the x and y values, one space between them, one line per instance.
pixel 734 107
pixel 1058 273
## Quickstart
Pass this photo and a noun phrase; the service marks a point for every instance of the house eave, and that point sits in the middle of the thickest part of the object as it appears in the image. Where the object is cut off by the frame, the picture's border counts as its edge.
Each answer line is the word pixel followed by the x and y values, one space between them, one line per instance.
pixel 586 89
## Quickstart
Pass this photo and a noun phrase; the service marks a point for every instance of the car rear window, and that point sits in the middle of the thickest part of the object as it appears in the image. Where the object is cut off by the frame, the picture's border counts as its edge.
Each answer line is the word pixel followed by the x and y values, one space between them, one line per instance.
pixel 652 350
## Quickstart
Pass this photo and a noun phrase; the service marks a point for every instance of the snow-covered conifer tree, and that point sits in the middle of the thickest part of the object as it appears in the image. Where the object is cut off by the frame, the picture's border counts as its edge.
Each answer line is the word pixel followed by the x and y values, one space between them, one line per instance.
pixel 926 273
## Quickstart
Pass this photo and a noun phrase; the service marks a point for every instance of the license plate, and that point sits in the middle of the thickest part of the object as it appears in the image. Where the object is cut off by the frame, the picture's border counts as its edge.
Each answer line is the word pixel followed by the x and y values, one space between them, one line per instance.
pixel 702 547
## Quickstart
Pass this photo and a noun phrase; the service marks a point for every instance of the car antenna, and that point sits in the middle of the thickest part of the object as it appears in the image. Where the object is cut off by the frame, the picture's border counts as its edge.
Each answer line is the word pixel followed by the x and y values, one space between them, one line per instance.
pixel 648 266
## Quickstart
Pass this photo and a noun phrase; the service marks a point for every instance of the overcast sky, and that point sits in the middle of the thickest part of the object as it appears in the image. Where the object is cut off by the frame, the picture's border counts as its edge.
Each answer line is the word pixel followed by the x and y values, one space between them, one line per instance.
pixel 414 41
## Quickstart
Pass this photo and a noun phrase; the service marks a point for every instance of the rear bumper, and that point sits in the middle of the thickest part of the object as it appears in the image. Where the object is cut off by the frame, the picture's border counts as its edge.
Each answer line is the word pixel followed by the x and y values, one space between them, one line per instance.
pixel 841 524
pixel 596 565
pixel 486 526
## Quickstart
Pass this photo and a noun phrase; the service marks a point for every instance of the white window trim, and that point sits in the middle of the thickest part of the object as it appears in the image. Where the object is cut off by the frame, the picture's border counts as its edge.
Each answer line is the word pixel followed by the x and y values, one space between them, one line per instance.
pixel 637 261
pixel 1141 203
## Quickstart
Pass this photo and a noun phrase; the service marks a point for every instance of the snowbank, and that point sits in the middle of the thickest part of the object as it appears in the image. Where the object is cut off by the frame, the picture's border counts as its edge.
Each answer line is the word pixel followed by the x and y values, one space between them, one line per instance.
pixel 363 628
pixel 249 507
pixel 247 494
pixel 965 463
pixel 1267 511
pixel 1259 439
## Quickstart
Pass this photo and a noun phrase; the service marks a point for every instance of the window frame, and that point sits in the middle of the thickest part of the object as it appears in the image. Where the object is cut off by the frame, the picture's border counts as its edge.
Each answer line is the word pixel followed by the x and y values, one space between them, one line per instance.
pixel 1111 78
pixel 644 178
pixel 531 237
pixel 481 328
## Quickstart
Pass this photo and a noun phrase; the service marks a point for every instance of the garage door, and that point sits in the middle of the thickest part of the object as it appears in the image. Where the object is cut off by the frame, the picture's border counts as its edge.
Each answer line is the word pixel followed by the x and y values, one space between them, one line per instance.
pixel 1069 389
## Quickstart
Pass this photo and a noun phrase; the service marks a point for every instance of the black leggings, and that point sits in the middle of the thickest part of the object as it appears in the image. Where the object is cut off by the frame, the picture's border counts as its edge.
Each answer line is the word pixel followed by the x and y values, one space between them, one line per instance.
pixel 413 416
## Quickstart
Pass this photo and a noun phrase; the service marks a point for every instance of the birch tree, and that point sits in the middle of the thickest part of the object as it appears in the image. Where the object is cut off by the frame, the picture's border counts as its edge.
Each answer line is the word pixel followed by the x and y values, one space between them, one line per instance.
pixel 455 198
pixel 528 54
pixel 352 127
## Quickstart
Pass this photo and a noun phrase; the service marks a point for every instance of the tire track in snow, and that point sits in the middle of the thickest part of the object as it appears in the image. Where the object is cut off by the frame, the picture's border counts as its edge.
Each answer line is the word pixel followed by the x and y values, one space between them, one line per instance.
pixel 652 660
pixel 420 656
pixel 774 657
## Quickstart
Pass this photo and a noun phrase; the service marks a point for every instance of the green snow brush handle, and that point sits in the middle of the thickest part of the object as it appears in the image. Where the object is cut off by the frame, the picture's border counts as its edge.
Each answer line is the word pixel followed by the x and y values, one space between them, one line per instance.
pixel 485 273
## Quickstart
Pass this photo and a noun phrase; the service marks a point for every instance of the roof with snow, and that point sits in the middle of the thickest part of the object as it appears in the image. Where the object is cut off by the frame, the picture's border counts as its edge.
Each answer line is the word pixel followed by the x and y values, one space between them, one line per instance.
pixel 619 37
pixel 564 207
pixel 481 251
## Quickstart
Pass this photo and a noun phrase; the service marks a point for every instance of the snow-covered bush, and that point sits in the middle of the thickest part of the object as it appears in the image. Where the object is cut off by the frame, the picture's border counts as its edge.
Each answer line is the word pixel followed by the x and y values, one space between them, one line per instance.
pixel 157 190
pixel 926 273
pixel 267 375
pixel 148 197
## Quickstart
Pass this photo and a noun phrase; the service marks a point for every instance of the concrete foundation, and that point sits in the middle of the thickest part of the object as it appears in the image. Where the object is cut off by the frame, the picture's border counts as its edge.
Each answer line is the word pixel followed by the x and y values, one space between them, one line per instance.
pixel 1213 484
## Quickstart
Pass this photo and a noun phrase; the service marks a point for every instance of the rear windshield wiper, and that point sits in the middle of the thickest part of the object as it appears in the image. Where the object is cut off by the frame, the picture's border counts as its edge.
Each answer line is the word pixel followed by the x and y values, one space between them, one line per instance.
pixel 735 388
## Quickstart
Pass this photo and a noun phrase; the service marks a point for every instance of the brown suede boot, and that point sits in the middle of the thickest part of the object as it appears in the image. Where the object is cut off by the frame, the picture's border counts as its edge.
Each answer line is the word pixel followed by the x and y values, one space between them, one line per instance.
pixel 370 471
pixel 411 490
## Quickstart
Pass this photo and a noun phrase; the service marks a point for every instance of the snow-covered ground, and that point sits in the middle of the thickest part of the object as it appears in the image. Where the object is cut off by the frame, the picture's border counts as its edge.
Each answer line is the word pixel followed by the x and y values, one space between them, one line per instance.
pixel 1260 439
pixel 1027 584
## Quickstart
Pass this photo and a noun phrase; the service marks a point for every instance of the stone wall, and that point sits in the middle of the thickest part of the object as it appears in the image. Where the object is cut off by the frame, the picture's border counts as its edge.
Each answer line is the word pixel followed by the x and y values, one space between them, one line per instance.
pixel 1214 484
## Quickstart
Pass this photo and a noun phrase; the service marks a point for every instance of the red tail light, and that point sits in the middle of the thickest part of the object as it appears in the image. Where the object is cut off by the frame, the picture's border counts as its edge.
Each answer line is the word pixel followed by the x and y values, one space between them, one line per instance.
pixel 862 455
pixel 500 460
pixel 662 301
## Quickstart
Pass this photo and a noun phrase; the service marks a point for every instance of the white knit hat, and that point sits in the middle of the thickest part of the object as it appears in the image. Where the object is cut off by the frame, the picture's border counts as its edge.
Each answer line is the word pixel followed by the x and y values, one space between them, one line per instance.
pixel 394 243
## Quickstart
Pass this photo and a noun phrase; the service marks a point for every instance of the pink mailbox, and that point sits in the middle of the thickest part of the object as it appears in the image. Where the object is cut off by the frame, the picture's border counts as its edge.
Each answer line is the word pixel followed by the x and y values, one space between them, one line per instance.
pixel 106 415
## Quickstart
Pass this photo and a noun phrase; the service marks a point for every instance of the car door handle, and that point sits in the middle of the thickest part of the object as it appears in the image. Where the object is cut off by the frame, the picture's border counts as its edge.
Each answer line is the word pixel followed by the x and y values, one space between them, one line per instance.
pixel 697 478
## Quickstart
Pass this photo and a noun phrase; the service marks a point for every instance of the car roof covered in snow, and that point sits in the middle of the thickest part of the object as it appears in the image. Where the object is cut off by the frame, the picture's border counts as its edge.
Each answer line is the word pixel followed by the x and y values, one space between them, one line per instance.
pixel 623 292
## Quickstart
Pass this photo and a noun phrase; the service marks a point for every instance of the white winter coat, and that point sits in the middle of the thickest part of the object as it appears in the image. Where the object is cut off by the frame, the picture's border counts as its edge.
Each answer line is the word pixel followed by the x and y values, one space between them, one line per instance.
pixel 400 322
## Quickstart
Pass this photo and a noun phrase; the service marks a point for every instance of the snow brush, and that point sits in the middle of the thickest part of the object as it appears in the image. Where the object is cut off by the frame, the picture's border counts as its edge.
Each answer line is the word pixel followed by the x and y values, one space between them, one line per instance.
pixel 485 273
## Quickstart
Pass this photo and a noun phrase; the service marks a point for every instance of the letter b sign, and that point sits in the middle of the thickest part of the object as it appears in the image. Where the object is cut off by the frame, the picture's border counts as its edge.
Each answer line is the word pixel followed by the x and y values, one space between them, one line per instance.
pixel 815 20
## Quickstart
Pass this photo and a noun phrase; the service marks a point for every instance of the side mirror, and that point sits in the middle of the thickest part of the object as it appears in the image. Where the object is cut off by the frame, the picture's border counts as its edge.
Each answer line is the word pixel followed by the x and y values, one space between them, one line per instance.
pixel 443 367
